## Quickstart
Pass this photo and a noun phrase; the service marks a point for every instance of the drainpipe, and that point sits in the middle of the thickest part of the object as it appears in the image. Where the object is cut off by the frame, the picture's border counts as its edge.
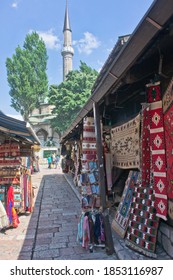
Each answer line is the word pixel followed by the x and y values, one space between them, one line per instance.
pixel 102 184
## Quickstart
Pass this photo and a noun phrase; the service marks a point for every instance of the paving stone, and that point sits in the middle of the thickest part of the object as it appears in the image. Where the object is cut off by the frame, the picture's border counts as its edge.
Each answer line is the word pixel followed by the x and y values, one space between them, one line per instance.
pixel 58 245
pixel 41 247
pixel 66 251
pixel 53 236
pixel 51 253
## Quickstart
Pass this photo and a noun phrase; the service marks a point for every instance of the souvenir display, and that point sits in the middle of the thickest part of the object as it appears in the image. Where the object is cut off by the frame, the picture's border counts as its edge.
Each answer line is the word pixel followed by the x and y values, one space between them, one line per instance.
pixel 120 221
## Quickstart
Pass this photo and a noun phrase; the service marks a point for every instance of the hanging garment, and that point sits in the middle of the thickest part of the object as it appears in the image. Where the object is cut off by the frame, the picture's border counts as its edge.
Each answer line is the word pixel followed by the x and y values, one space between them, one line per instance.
pixel 11 212
pixel 86 232
pixel 10 203
pixel 4 221
pixel 80 229
pixel 97 227
pixel 15 219
pixel 91 229
pixel 102 231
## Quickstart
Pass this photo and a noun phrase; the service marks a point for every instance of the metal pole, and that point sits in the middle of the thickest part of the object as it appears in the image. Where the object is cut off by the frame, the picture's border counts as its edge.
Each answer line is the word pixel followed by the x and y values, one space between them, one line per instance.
pixel 107 227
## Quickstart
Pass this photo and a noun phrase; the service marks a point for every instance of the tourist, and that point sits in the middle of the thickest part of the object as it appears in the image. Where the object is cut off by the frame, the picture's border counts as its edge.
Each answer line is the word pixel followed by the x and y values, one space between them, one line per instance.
pixel 49 160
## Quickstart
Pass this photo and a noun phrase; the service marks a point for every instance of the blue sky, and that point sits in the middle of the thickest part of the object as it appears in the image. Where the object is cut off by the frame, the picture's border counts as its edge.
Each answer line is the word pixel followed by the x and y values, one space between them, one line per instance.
pixel 96 25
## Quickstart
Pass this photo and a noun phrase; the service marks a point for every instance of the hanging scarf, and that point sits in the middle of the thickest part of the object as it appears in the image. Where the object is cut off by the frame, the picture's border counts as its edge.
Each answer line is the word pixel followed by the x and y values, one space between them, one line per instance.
pixel 4 221
pixel 11 212
pixel 15 219
pixel 86 233
pixel 80 229
pixel 10 203
pixel 97 227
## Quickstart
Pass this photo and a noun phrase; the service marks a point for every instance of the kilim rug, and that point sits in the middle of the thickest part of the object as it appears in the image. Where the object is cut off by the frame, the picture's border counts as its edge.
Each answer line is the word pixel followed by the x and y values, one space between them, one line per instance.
pixel 88 142
pixel 120 222
pixel 157 140
pixel 126 144
pixel 153 92
pixel 145 156
pixel 143 222
pixel 168 97
pixel 168 124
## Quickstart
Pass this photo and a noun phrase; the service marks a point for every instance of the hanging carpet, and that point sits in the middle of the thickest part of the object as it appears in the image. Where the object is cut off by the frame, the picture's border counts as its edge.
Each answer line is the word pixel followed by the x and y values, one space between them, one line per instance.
pixel 126 144
pixel 157 140
pixel 88 142
pixel 120 222
pixel 143 222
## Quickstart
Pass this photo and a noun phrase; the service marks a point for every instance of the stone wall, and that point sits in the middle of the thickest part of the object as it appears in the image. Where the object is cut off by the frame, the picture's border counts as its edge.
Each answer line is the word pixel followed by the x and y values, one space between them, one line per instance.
pixel 165 238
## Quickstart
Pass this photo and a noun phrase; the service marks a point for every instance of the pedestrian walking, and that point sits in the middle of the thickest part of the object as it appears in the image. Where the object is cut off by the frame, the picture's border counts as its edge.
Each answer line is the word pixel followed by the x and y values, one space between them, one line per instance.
pixel 56 161
pixel 49 160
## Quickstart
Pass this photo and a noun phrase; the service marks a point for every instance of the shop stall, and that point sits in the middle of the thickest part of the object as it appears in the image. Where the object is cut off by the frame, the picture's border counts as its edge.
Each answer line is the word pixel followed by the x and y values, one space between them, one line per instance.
pixel 16 150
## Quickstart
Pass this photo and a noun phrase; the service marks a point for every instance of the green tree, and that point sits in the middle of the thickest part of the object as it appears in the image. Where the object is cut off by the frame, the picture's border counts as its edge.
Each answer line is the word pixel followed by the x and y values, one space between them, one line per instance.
pixel 70 96
pixel 26 75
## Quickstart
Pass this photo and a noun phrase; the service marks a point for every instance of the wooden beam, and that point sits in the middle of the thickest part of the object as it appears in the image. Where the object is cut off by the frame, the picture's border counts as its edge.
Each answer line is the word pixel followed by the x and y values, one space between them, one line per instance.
pixel 102 184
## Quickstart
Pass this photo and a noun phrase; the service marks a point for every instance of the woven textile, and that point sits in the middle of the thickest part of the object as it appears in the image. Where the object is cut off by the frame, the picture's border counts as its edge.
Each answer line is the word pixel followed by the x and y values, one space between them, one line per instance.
pixel 88 142
pixel 126 144
pixel 145 157
pixel 143 223
pixel 120 222
pixel 4 221
pixel 168 124
pixel 153 92
pixel 168 97
pixel 157 140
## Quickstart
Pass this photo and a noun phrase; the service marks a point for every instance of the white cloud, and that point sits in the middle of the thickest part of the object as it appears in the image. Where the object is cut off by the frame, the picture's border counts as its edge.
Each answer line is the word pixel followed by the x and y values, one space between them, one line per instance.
pixel 51 40
pixel 87 44
pixel 17 117
pixel 14 5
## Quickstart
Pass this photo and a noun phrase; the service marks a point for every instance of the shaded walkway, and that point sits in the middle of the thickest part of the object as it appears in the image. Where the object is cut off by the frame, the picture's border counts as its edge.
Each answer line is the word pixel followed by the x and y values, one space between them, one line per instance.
pixel 50 231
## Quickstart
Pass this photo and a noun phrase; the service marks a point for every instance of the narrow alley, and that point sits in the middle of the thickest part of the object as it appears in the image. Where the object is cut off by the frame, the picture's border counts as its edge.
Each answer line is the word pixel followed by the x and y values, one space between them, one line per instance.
pixel 50 232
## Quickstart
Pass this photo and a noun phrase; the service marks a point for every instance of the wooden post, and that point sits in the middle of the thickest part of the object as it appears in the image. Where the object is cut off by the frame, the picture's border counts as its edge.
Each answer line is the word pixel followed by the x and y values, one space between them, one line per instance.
pixel 107 227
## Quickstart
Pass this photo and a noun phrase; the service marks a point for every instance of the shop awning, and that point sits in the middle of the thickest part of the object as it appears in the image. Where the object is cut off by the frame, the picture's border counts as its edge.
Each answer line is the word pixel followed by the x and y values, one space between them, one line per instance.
pixel 17 128
pixel 118 65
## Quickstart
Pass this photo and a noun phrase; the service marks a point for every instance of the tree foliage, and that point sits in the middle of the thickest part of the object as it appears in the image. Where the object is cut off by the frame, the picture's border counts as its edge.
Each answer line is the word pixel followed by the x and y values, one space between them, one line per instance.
pixel 26 75
pixel 70 96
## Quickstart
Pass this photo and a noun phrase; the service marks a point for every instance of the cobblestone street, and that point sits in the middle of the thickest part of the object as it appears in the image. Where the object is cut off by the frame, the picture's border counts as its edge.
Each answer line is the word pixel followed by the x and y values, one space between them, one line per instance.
pixel 50 231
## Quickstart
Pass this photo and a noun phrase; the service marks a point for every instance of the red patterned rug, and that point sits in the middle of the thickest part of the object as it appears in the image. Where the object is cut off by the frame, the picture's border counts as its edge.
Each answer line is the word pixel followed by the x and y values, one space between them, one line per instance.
pixel 143 222
pixel 145 156
pixel 157 140
pixel 120 222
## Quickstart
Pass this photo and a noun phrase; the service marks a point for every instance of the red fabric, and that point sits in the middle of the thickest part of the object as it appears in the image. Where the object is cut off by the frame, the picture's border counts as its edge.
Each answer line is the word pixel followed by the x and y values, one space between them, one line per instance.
pixel 153 93
pixel 157 138
pixel 145 148
pixel 10 196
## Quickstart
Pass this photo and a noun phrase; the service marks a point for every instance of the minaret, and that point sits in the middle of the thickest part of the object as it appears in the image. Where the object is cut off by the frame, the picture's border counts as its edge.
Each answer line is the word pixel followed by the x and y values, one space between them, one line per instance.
pixel 67 50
